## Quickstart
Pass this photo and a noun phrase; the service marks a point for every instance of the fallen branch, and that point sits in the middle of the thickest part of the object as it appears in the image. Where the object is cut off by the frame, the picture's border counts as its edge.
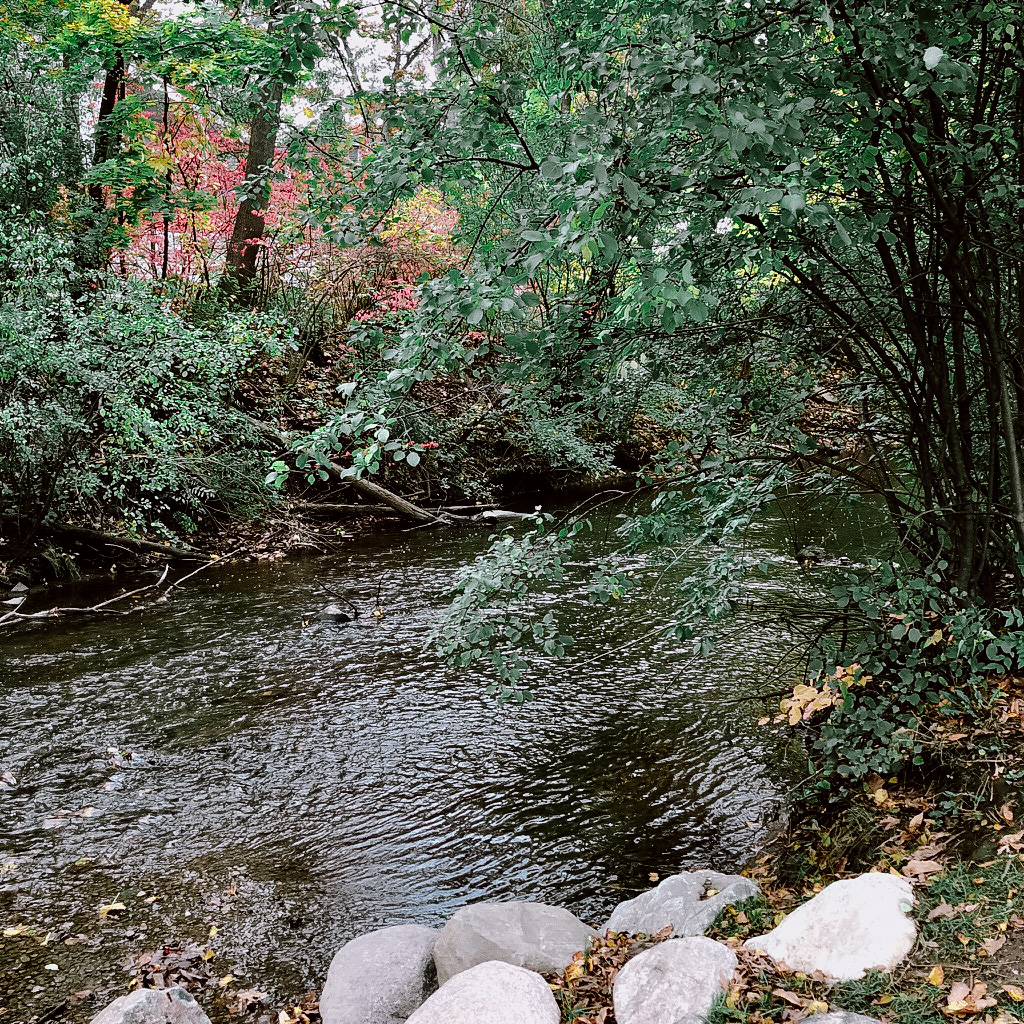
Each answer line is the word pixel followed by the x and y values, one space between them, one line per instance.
pixel 213 561
pixel 368 489
pixel 103 608
pixel 112 540
pixel 11 614
pixel 330 508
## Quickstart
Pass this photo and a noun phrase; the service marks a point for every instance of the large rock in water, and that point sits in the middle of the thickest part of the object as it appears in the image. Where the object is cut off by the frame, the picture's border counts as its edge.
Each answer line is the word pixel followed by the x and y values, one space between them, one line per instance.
pixel 531 935
pixel 848 929
pixel 491 993
pixel 153 1006
pixel 380 978
pixel 679 901
pixel 675 982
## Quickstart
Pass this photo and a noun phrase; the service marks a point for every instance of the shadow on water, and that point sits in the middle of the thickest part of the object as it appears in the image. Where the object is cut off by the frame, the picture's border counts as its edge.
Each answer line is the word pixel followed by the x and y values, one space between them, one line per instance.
pixel 295 783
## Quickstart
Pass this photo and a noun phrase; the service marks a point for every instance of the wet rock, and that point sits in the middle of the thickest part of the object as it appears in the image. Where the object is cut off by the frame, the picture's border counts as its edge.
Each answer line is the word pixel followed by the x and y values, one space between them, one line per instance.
pixel 491 993
pixel 849 928
pixel 811 554
pixel 335 613
pixel 676 982
pixel 531 935
pixel 839 1017
pixel 380 978
pixel 678 902
pixel 153 1006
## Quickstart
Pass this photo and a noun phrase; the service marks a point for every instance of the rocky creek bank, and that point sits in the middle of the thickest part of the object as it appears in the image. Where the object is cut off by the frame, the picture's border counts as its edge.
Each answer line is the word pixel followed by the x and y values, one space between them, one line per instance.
pixel 493 963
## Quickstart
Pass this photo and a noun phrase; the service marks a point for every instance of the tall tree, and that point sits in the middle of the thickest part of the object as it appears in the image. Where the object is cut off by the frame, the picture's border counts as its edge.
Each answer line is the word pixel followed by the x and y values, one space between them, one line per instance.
pixel 240 271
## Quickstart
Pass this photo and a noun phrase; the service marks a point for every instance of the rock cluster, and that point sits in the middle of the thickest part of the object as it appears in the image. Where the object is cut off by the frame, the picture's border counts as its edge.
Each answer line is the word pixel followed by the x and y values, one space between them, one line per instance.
pixel 485 965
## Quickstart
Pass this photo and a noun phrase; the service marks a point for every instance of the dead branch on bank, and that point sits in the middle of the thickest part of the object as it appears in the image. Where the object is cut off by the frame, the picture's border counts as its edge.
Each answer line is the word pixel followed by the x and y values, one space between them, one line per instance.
pixel 81 533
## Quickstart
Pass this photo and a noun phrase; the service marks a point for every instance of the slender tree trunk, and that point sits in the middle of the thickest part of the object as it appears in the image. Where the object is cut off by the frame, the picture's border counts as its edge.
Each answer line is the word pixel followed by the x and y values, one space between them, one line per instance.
pixel 250 221
pixel 106 138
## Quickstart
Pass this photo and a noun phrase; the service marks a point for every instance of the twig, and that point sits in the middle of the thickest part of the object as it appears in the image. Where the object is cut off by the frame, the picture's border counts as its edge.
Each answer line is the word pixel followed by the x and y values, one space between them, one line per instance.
pixel 213 561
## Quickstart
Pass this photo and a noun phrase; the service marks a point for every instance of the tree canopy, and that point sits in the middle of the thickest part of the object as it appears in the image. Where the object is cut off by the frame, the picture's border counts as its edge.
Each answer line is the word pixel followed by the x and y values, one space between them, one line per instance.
pixel 790 234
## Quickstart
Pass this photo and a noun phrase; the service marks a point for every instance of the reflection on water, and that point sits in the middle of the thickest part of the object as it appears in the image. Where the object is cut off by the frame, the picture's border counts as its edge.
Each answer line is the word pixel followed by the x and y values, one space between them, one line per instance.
pixel 341 778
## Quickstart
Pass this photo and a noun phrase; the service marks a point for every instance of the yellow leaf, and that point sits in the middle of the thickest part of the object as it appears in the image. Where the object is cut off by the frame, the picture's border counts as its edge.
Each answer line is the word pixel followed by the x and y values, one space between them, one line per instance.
pixel 18 929
pixel 225 981
pixel 882 1000
pixel 1014 992
pixel 209 954
pixel 936 976
pixel 817 1007
pixel 111 908
pixel 213 930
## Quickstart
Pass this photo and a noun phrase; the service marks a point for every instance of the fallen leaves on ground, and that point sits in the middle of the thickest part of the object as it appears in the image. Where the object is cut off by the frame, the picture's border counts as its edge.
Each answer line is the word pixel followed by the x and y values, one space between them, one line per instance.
pixel 306 1011
pixel 585 985
pixel 965 1002
pixel 921 868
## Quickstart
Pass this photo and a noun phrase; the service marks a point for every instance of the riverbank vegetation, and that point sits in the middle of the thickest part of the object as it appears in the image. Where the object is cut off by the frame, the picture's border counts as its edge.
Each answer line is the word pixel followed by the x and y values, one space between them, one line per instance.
pixel 255 254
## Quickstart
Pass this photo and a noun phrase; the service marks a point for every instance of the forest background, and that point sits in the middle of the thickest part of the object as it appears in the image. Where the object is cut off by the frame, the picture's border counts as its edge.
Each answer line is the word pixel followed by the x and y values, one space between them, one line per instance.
pixel 745 253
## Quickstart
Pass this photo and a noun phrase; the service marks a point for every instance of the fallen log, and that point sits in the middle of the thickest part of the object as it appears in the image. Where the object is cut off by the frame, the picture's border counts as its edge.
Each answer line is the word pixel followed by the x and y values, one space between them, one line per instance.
pixel 368 489
pixel 331 508
pixel 113 540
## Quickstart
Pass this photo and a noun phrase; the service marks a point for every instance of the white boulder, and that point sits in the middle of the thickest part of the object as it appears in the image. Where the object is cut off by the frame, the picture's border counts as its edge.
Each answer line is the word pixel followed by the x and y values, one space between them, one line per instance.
pixel 679 901
pixel 153 1006
pixel 491 993
pixel 675 982
pixel 381 977
pixel 851 927
pixel 531 935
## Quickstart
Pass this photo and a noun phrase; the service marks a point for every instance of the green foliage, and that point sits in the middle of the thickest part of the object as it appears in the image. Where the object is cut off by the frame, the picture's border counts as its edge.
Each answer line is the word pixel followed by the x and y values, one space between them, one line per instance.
pixel 516 570
pixel 921 652
pixel 111 404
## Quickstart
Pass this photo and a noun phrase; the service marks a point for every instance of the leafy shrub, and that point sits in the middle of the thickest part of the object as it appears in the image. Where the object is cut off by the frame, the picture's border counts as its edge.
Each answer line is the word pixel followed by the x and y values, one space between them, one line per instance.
pixel 111 404
pixel 910 653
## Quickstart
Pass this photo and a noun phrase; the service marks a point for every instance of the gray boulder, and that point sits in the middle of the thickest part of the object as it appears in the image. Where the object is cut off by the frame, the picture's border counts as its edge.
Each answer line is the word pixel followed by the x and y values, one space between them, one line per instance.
pixel 675 982
pixel 153 1006
pixel 491 993
pixel 678 901
pixel 380 978
pixel 335 613
pixel 851 927
pixel 531 935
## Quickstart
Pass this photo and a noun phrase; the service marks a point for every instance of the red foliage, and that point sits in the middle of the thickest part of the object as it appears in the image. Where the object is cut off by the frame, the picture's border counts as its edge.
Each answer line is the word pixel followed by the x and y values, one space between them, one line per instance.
pixel 198 169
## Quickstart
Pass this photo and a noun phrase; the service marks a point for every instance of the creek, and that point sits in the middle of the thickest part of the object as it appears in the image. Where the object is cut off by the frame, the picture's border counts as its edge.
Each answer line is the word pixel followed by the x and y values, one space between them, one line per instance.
pixel 294 783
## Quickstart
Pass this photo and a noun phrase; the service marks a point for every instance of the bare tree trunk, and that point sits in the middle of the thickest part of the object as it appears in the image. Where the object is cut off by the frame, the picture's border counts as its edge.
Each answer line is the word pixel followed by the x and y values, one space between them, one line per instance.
pixel 250 221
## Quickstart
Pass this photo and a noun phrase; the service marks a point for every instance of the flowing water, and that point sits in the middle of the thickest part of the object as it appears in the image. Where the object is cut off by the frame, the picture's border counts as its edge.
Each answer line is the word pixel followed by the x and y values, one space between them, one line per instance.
pixel 294 783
